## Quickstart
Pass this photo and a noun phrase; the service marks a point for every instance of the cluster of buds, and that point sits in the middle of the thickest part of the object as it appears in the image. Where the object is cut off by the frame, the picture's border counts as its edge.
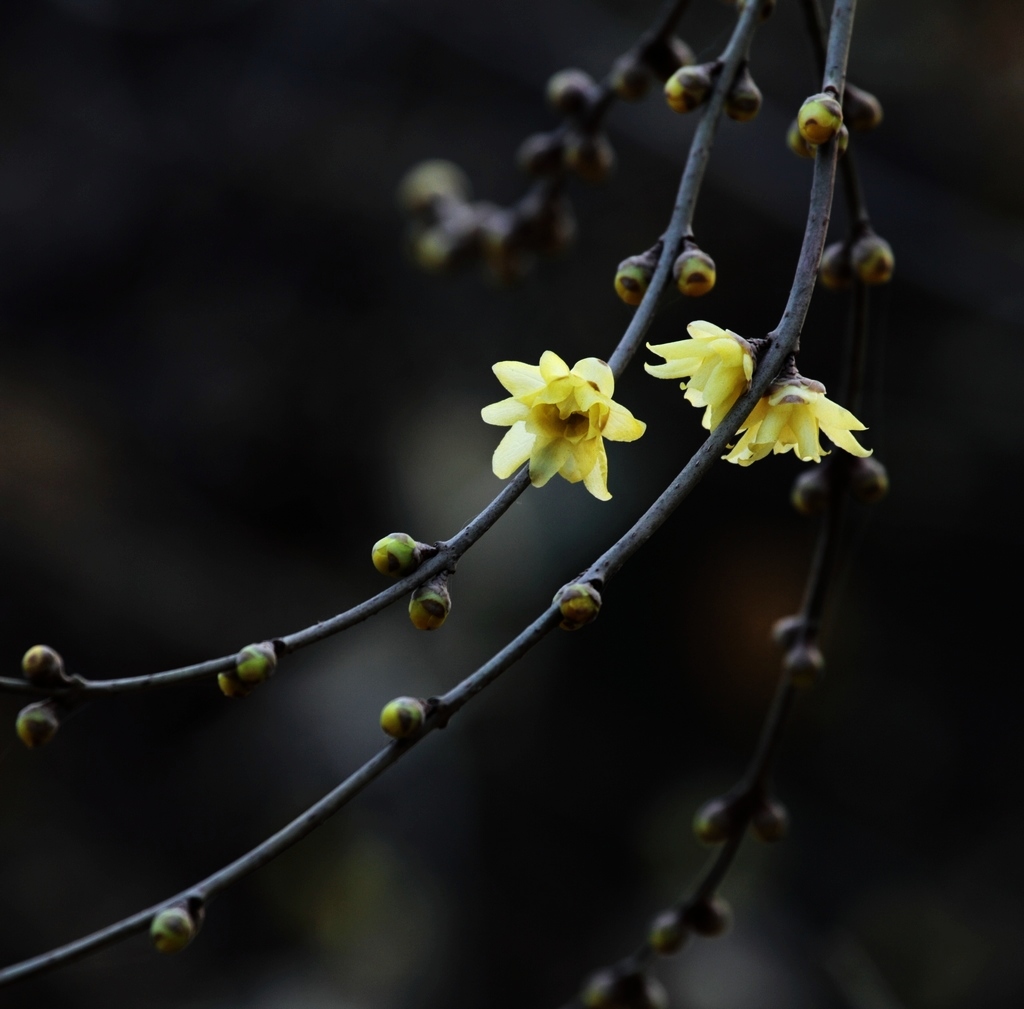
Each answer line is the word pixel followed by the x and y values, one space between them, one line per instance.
pixel 37 723
pixel 616 988
pixel 693 272
pixel 821 117
pixel 724 816
pixel 691 86
pixel 399 554
pixel 866 479
pixel 802 663
pixel 868 257
pixel 254 664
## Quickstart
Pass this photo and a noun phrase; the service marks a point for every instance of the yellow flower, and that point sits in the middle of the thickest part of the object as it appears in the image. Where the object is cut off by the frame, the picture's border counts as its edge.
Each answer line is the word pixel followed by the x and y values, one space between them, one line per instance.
pixel 790 417
pixel 718 363
pixel 559 420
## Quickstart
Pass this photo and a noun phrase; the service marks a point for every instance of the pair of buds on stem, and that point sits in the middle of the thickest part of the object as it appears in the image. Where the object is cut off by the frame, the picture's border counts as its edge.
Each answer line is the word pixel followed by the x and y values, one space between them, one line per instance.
pixel 693 272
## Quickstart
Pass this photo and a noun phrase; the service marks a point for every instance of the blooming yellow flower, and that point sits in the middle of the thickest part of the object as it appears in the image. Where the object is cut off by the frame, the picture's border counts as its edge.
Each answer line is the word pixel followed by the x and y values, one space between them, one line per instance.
pixel 718 362
pixel 560 418
pixel 790 417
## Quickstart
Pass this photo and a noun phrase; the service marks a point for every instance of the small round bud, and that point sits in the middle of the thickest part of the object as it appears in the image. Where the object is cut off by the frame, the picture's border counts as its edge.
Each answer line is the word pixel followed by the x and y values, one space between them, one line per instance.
pixel 872 259
pixel 611 989
pixel 570 91
pixel 402 717
pixel 804 664
pixel 842 139
pixel 743 102
pixel 430 604
pixel 540 154
pixel 429 182
pixel 861 109
pixel 580 604
pixel 37 723
pixel 665 56
pixel 590 156
pixel 709 917
pixel 231 686
pixel 811 491
pixel 630 79
pixel 256 663
pixel 173 928
pixel 633 278
pixel 869 480
pixel 797 144
pixel 716 820
pixel 44 667
pixel 819 118
pixel 688 87
pixel 668 933
pixel 769 821
pixel 397 554
pixel 694 272
pixel 786 630
pixel 836 271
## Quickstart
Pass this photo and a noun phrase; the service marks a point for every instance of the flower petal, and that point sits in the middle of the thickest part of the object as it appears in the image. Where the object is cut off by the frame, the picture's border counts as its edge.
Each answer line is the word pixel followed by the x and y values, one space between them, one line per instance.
pixel 592 369
pixel 547 460
pixel 844 440
pixel 512 451
pixel 520 379
pixel 505 412
pixel 622 425
pixel 704 330
pixel 552 366
pixel 596 481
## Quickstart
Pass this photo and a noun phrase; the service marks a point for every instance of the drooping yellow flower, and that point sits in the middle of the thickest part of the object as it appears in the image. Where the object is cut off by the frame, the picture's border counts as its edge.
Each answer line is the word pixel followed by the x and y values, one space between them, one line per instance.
pixel 559 419
pixel 791 417
pixel 718 363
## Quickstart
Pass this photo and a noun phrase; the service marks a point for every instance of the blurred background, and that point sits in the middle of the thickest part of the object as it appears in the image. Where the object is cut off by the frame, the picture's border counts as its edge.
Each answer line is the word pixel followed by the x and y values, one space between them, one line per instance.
pixel 221 380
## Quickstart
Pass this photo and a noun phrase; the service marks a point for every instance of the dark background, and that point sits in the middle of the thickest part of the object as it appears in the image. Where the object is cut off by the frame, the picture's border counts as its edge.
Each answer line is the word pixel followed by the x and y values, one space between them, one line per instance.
pixel 221 380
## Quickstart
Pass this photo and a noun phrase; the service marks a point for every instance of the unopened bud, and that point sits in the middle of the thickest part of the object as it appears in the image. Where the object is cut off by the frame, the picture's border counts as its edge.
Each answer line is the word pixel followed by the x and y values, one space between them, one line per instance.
pixel 231 686
pixel 694 272
pixel 173 928
pixel 666 56
pixel 769 821
pixel 804 664
pixel 549 226
pixel 872 259
pixel 633 278
pixel 716 820
pixel 397 554
pixel 402 717
pixel 743 102
pixel 590 156
pixel 256 663
pixel 570 91
pixel 869 480
pixel 630 79
pixel 668 933
pixel 709 917
pixel 811 491
pixel 786 630
pixel 861 109
pixel 836 270
pixel 611 989
pixel 688 87
pixel 429 182
pixel 37 723
pixel 540 154
pixel 44 667
pixel 579 604
pixel 431 603
pixel 842 139
pixel 819 118
pixel 797 144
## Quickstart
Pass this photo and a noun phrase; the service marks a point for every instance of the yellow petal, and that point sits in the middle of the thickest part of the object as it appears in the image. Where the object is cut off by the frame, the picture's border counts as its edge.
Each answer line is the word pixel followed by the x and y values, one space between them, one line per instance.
pixel 512 451
pixel 591 369
pixel 505 412
pixel 552 366
pixel 547 460
pixel 520 379
pixel 831 414
pixel 844 440
pixel 596 481
pixel 622 425
pixel 706 330
pixel 805 427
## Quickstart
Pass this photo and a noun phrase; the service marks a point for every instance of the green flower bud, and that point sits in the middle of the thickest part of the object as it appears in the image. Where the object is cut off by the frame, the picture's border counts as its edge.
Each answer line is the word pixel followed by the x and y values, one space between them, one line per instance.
pixel 743 102
pixel 429 182
pixel 694 272
pixel 611 989
pixel 819 118
pixel 861 109
pixel 590 156
pixel 812 490
pixel 580 604
pixel 688 87
pixel 716 820
pixel 630 78
pixel 403 717
pixel 431 603
pixel 44 667
pixel 397 554
pixel 842 139
pixel 709 917
pixel 665 56
pixel 633 278
pixel 231 686
pixel 869 480
pixel 836 271
pixel 540 154
pixel 797 144
pixel 173 928
pixel 37 723
pixel 668 933
pixel 571 91
pixel 872 259
pixel 804 664
pixel 256 663
pixel 769 821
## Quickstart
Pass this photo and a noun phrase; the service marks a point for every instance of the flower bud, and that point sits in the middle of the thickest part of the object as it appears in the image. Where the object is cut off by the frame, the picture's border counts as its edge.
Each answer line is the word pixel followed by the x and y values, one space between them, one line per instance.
pixel 716 820
pixel 397 554
pixel 570 91
pixel 694 272
pixel 836 271
pixel 668 933
pixel 842 139
pixel 666 56
pixel 804 664
pixel 688 87
pixel 872 259
pixel 633 278
pixel 612 989
pixel 861 109
pixel 769 821
pixel 579 603
pixel 44 667
pixel 869 481
pixel 173 928
pixel 811 491
pixel 819 118
pixel 743 101
pixel 709 917
pixel 590 156
pixel 549 225
pixel 540 154
pixel 37 723
pixel 630 79
pixel 402 717
pixel 256 663
pixel 431 603
pixel 231 686
pixel 429 182
pixel 797 144
pixel 785 630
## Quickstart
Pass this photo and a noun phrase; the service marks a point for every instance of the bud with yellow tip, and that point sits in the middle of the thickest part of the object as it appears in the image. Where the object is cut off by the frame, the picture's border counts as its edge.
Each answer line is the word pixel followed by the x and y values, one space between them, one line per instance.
pixel 44 667
pixel 836 271
pixel 716 821
pixel 630 79
pixel 796 143
pixel 743 102
pixel 429 182
pixel 614 989
pixel 811 491
pixel 37 723
pixel 590 156
pixel 694 271
pixel 571 91
pixel 804 664
pixel 231 686
pixel 431 603
pixel 579 604
pixel 668 933
pixel 403 717
pixel 633 277
pixel 872 259
pixel 689 87
pixel 819 118
pixel 173 928
pixel 256 663
pixel 397 554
